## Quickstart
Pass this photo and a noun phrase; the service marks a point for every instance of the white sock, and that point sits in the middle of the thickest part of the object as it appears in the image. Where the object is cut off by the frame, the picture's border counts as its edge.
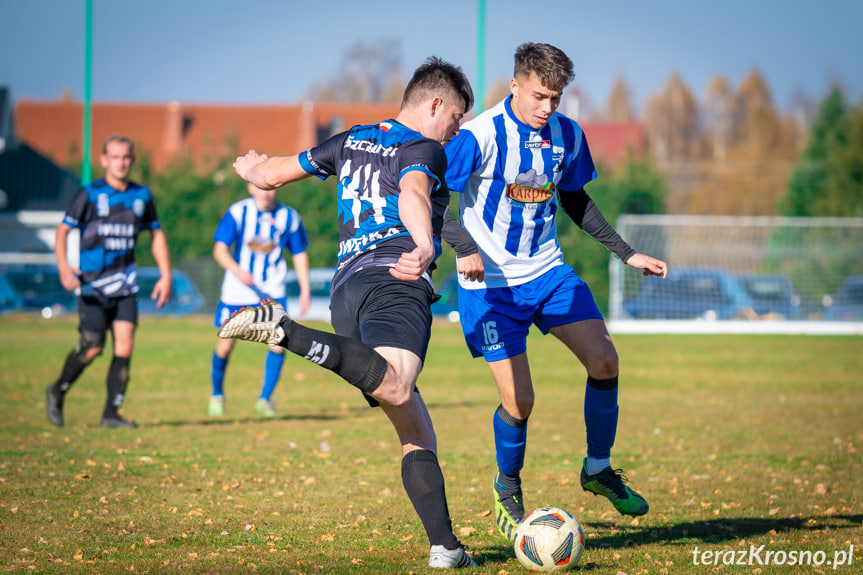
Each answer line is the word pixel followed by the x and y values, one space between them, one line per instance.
pixel 595 465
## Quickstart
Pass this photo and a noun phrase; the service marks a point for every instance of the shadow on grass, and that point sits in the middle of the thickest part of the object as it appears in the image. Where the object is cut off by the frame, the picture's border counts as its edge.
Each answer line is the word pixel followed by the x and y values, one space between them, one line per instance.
pixel 716 531
pixel 244 420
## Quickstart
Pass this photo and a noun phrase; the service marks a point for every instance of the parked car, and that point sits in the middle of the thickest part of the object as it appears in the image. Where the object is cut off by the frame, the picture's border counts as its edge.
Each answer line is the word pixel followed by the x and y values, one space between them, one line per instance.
pixel 186 297
pixel 320 280
pixel 9 300
pixel 40 289
pixel 772 294
pixel 447 305
pixel 847 302
pixel 690 293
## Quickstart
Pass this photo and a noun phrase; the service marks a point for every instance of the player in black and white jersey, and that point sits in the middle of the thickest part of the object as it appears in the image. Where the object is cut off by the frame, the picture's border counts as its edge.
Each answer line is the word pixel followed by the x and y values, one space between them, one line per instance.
pixel 110 213
pixel 392 203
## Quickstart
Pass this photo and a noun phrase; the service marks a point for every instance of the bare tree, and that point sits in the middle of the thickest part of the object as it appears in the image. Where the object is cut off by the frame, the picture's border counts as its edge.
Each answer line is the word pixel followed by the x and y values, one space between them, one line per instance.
pixel 619 106
pixel 370 71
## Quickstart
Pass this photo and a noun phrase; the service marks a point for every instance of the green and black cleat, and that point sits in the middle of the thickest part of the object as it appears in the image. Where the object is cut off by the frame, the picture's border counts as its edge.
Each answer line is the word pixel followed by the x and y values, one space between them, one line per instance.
pixel 611 484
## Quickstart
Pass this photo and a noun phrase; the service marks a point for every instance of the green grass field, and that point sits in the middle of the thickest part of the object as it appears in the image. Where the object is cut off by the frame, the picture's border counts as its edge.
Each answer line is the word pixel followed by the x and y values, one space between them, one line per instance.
pixel 736 441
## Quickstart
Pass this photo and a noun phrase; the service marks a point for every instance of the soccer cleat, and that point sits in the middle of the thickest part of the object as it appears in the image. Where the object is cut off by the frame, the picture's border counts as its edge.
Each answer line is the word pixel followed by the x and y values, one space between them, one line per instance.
pixel 265 407
pixel 508 509
pixel 610 483
pixel 54 406
pixel 217 406
pixel 442 558
pixel 116 421
pixel 260 324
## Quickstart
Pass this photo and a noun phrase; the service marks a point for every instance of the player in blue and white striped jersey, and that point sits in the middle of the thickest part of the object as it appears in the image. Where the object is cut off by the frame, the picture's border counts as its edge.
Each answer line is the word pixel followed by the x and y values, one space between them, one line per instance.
pixel 514 165
pixel 250 242
pixel 110 213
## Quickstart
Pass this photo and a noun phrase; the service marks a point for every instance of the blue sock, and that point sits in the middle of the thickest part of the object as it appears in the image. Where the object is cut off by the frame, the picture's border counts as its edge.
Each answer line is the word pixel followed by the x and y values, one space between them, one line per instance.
pixel 600 416
pixel 217 373
pixel 510 441
pixel 272 372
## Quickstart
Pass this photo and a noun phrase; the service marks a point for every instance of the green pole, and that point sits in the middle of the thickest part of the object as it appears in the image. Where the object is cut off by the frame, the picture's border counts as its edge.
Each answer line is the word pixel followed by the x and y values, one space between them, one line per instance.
pixel 480 56
pixel 86 168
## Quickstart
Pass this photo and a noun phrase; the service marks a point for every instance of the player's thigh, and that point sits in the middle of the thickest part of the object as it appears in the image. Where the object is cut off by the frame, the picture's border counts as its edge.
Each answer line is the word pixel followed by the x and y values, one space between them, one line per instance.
pixel 124 316
pixel 124 337
pixel 93 323
pixel 384 312
pixel 495 322
pixel 405 367
pixel 561 298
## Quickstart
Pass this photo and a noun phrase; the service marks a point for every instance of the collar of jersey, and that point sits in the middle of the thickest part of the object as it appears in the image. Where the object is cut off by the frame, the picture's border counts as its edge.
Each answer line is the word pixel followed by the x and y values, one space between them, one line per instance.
pixel 522 127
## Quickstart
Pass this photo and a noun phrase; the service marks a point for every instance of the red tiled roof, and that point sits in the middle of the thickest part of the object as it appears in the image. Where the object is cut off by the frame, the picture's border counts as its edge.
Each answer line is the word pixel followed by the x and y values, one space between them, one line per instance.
pixel 207 132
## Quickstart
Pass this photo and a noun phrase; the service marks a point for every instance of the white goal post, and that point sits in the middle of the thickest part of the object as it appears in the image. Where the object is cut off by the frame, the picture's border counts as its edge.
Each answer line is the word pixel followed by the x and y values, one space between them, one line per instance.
pixel 737 274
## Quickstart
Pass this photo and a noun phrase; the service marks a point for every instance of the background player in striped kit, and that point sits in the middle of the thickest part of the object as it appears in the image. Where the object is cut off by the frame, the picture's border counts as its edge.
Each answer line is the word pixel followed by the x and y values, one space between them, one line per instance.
pixel 260 229
pixel 512 165
pixel 110 213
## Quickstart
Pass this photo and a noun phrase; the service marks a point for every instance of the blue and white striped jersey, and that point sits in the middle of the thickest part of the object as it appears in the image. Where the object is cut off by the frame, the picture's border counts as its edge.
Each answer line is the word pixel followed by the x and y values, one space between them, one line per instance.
pixel 259 239
pixel 369 162
pixel 508 175
pixel 110 221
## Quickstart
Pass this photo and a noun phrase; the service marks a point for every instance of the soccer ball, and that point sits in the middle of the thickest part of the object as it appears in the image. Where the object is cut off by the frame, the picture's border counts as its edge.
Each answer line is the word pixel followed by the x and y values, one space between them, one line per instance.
pixel 549 540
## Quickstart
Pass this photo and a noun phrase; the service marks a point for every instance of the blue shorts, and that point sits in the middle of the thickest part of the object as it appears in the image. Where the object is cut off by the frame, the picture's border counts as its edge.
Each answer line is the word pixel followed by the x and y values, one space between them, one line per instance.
pixel 496 321
pixel 224 311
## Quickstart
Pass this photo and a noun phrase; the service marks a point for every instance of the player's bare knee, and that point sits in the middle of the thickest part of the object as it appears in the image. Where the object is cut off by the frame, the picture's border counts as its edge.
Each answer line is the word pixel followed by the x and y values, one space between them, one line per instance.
pixel 604 365
pixel 89 346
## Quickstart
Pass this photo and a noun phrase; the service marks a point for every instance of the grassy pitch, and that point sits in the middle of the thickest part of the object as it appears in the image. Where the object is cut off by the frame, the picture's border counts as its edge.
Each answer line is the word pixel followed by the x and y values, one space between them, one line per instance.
pixel 743 445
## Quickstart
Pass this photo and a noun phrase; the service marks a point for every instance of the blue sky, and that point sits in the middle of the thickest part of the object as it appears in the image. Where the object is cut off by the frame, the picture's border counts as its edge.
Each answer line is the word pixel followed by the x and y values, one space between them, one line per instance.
pixel 268 51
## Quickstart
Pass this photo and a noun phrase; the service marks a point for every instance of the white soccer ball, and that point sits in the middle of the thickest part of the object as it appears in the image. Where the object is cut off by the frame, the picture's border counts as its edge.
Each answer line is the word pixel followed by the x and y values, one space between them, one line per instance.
pixel 549 540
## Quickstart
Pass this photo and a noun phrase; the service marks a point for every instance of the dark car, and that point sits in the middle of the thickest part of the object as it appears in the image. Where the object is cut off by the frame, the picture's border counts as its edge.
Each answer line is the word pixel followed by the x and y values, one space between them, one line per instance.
pixel 40 289
pixel 186 297
pixel 447 305
pixel 9 300
pixel 847 302
pixel 690 293
pixel 772 294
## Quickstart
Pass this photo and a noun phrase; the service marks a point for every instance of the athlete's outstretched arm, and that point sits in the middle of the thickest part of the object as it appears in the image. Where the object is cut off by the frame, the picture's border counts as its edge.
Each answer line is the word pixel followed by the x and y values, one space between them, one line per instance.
pixel 581 209
pixel 269 173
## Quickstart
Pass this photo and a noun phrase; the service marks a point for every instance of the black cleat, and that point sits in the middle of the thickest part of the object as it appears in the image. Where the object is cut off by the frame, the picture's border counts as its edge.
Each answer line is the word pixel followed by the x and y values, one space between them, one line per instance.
pixel 54 406
pixel 116 421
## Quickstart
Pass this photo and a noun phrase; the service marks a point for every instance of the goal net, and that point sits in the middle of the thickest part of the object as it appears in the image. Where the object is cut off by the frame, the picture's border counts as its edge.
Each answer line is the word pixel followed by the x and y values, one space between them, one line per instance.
pixel 741 274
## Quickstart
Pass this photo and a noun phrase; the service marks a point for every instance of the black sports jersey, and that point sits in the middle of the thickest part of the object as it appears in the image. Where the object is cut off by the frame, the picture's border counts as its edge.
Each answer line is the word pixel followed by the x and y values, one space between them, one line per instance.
pixel 110 221
pixel 369 162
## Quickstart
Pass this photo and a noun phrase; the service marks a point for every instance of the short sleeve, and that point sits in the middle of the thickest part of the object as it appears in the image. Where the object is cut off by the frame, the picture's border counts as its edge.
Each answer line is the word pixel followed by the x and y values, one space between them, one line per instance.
pixel 463 158
pixel 298 239
pixel 76 215
pixel 226 231
pixel 322 160
pixel 150 221
pixel 580 171
pixel 424 155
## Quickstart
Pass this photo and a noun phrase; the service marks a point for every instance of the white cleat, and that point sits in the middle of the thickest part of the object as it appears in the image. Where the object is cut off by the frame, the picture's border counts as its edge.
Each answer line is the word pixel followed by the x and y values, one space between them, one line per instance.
pixel 260 324
pixel 442 558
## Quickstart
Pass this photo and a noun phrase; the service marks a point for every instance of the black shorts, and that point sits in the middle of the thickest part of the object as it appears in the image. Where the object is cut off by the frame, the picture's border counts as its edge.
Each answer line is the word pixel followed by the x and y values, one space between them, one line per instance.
pixel 96 314
pixel 380 310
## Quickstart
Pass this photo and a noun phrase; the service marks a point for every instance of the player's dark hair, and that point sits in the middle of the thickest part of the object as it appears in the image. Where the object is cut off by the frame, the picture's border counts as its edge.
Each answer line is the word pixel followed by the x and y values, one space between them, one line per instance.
pixel 552 66
pixel 437 77
pixel 121 139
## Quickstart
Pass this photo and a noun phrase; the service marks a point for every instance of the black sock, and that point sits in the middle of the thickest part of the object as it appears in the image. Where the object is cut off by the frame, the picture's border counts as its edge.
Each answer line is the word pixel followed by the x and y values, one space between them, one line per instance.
pixel 118 380
pixel 357 363
pixel 423 481
pixel 73 368
pixel 510 483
